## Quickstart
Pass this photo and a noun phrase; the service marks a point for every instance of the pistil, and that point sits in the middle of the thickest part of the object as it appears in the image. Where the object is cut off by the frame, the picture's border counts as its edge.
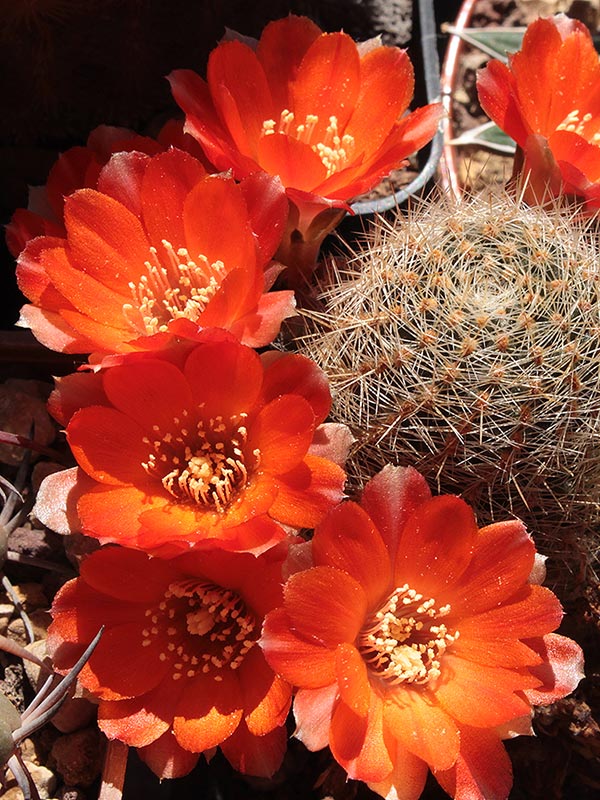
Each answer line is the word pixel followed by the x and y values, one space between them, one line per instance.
pixel 174 286
pixel 335 151
pixel 575 123
pixel 204 628
pixel 206 465
pixel 405 640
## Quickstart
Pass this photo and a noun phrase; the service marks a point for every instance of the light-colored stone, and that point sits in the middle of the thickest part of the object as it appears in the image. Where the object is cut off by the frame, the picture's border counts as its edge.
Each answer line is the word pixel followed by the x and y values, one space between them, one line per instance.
pixel 29 752
pixel 44 779
pixel 40 620
pixel 31 596
pixel 6 613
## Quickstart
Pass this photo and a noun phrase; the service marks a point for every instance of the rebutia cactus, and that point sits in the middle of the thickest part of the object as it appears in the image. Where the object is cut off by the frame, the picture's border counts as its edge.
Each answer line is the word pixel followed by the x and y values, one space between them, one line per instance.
pixel 464 339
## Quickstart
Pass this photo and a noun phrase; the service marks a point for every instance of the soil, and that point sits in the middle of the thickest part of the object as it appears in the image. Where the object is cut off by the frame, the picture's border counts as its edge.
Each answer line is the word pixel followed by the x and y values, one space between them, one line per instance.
pixel 560 763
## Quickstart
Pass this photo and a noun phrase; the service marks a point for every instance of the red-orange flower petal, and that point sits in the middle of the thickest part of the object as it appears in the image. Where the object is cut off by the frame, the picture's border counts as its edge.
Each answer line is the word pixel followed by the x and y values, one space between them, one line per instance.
pixel 407 779
pixel 120 573
pixel 314 109
pixel 390 498
pixel 358 743
pixel 534 611
pixel 280 50
pixel 141 720
pixel 209 712
pixel 140 669
pixel 313 709
pixel 483 696
pixel 240 91
pixel 404 628
pixel 502 560
pixel 483 770
pixel 328 82
pixel 178 667
pixel 209 448
pixel 105 510
pixel 167 180
pixel 166 758
pixel 284 429
pixel 266 697
pixel 560 670
pixel 349 541
pixel 140 252
pixel 235 378
pixel 371 122
pixel 285 372
pixel 304 662
pixel 436 545
pixel 352 678
pixel 255 755
pixel 548 99
pixel 325 605
pixel 308 491
pixel 425 729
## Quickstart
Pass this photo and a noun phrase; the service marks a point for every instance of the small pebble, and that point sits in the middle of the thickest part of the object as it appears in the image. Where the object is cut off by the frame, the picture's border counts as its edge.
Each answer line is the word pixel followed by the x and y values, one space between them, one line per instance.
pixel 44 779
pixel 40 620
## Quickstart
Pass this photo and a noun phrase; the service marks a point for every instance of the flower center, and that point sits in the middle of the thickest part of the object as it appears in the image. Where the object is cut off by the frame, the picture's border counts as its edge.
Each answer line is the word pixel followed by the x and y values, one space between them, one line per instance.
pixel 577 124
pixel 174 286
pixel 335 151
pixel 206 466
pixel 204 629
pixel 404 641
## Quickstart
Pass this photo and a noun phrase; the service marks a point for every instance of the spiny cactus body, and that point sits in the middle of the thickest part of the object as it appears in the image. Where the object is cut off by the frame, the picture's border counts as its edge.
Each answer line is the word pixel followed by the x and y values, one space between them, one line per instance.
pixel 465 339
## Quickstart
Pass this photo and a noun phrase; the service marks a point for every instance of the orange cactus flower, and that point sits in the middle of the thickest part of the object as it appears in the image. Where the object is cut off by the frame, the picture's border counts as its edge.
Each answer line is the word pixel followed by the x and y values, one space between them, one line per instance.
pixel 547 100
pixel 177 671
pixel 142 252
pixel 78 168
pixel 324 114
pixel 416 641
pixel 222 451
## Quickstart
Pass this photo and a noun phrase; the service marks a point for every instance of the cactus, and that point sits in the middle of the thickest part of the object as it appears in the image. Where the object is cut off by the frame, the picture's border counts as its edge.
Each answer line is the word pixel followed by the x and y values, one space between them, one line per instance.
pixel 464 339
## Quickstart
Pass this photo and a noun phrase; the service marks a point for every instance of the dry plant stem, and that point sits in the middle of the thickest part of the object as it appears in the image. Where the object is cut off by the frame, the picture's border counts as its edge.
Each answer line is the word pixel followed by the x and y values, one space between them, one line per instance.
pixel 15 649
pixel 8 521
pixel 41 709
pixel 449 180
pixel 30 444
pixel 32 561
pixel 22 776
pixel 113 772
pixel 8 588
pixel 6 484
pixel 47 700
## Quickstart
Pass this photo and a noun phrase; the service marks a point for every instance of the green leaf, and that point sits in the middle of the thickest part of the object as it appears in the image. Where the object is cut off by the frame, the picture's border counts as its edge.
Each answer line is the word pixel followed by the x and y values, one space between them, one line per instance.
pixel 495 41
pixel 487 135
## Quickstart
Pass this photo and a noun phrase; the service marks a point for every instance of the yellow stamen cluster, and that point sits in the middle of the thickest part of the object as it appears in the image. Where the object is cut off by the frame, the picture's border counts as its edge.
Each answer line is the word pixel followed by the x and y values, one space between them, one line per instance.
pixel 404 641
pixel 205 464
pixel 575 123
pixel 173 287
pixel 205 628
pixel 335 151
